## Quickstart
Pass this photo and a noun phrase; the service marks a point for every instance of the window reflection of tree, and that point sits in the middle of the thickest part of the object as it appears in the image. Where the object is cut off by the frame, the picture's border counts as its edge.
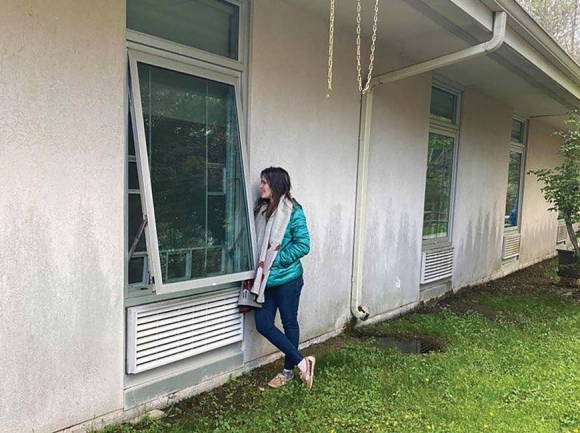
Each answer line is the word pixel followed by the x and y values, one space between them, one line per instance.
pixel 438 185
pixel 191 132
pixel 513 189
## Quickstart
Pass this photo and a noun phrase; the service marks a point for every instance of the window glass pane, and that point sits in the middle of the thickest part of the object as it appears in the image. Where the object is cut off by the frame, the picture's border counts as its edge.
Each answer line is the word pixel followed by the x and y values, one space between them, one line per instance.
pixel 438 186
pixel 133 176
pixel 518 131
pixel 443 105
pixel 134 223
pixel 130 139
pixel 513 189
pixel 137 274
pixel 210 25
pixel 215 179
pixel 192 134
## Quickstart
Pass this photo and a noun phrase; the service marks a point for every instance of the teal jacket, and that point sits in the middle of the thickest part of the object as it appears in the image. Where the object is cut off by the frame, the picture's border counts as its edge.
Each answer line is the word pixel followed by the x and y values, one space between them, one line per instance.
pixel 295 245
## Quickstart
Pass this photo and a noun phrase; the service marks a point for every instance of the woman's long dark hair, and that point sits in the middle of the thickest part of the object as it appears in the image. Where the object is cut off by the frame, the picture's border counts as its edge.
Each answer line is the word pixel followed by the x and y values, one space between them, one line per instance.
pixel 279 181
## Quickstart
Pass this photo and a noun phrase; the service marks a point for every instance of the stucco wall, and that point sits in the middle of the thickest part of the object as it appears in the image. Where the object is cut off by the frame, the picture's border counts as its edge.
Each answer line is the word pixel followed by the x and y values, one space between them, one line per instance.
pixel 61 212
pixel 538 225
pixel 481 187
pixel 396 191
pixel 294 125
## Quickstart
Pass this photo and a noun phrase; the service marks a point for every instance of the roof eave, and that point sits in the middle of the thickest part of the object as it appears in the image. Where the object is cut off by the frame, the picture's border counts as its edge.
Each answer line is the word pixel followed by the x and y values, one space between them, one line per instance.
pixel 527 27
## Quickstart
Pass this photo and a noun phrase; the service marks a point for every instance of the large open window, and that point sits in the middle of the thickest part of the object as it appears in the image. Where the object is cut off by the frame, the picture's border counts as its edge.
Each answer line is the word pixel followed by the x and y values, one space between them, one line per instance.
pixel 189 215
pixel 443 132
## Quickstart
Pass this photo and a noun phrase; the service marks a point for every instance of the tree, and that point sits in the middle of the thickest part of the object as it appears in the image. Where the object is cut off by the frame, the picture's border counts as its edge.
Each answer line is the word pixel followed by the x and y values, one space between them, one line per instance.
pixel 560 19
pixel 562 184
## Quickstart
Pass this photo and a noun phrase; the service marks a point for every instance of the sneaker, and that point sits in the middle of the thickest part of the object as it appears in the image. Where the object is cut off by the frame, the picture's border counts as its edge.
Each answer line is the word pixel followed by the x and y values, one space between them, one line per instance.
pixel 308 376
pixel 279 381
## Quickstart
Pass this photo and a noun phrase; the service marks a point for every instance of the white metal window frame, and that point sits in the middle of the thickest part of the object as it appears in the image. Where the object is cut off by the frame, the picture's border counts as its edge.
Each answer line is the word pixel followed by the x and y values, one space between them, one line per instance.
pixel 203 70
pixel 145 40
pixel 449 130
pixel 520 148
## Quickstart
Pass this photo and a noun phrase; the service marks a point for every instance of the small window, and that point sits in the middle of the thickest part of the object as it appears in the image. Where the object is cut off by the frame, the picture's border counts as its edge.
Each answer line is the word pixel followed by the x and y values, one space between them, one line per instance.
pixel 518 129
pixel 515 174
pixel 443 106
pixel 513 189
pixel 209 25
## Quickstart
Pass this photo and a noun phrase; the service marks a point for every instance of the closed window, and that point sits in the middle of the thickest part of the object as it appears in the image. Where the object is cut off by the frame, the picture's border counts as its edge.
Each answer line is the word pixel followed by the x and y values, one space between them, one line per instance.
pixel 440 166
pixel 438 186
pixel 515 174
pixel 209 25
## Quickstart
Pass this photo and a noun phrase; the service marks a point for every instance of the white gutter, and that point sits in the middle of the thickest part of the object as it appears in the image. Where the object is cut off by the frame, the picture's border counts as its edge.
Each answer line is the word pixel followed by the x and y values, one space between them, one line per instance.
pixel 540 39
pixel 497 39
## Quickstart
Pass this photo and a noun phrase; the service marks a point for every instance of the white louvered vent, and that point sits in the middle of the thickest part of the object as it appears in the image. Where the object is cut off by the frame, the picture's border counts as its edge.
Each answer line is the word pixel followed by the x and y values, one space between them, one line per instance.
pixel 511 246
pixel 436 265
pixel 562 234
pixel 165 332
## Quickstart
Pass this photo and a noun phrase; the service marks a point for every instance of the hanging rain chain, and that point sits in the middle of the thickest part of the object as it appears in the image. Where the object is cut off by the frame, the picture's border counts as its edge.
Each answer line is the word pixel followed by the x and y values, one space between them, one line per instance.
pixel 373 42
pixel 330 48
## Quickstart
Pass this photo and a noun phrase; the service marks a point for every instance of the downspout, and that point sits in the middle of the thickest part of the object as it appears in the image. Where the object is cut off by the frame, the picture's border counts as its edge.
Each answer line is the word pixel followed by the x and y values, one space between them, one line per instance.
pixel 499 26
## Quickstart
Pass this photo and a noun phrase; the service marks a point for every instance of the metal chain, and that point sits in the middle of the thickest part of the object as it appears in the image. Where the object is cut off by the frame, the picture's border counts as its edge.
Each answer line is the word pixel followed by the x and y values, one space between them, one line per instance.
pixel 330 48
pixel 373 44
pixel 358 68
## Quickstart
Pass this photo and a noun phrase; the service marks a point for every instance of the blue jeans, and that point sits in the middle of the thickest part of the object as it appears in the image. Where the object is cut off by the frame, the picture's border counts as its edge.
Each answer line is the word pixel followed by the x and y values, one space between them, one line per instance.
pixel 284 298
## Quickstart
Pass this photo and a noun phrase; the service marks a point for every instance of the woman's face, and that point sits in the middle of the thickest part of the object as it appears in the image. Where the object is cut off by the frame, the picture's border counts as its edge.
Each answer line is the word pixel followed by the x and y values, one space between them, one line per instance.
pixel 265 191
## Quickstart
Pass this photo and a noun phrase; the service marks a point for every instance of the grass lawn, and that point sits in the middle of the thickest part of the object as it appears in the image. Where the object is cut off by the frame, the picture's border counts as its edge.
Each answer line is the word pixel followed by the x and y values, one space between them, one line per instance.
pixel 510 363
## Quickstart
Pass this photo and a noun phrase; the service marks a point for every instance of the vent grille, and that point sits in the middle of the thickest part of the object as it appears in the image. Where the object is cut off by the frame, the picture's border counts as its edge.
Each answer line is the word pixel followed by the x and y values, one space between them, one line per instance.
pixel 511 246
pixel 562 235
pixel 436 265
pixel 165 332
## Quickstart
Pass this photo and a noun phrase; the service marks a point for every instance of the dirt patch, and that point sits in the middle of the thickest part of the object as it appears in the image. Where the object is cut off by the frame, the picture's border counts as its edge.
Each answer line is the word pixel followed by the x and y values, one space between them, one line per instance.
pixel 540 279
pixel 465 306
pixel 406 343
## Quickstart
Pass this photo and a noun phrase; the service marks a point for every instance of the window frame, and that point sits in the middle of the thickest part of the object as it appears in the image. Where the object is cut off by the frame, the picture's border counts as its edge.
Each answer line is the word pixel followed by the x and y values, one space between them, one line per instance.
pixel 137 39
pixel 143 292
pixel 520 148
pixel 450 130
pixel 202 70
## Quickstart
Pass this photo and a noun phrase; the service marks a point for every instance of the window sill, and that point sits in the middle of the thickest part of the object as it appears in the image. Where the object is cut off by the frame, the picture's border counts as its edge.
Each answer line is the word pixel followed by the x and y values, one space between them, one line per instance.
pixel 134 299
pixel 430 245
pixel 511 230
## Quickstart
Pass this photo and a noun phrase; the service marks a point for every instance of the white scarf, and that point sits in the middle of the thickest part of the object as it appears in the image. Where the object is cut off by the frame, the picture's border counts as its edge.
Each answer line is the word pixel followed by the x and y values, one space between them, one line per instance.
pixel 270 233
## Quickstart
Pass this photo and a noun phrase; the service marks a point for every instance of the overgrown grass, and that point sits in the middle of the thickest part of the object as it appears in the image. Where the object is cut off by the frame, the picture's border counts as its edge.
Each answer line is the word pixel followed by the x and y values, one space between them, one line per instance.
pixel 518 372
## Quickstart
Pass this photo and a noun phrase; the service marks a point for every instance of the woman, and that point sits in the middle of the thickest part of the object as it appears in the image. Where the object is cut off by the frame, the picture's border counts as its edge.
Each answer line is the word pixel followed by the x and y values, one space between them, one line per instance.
pixel 283 240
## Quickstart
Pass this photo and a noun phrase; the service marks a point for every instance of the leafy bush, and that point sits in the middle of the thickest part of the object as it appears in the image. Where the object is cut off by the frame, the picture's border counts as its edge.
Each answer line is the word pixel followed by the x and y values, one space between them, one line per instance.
pixel 562 184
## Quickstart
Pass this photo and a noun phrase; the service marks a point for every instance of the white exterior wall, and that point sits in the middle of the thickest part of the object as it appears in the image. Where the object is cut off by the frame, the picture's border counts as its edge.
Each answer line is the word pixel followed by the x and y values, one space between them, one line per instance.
pixel 396 192
pixel 294 125
pixel 484 148
pixel 61 212
pixel 481 187
pixel 539 226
